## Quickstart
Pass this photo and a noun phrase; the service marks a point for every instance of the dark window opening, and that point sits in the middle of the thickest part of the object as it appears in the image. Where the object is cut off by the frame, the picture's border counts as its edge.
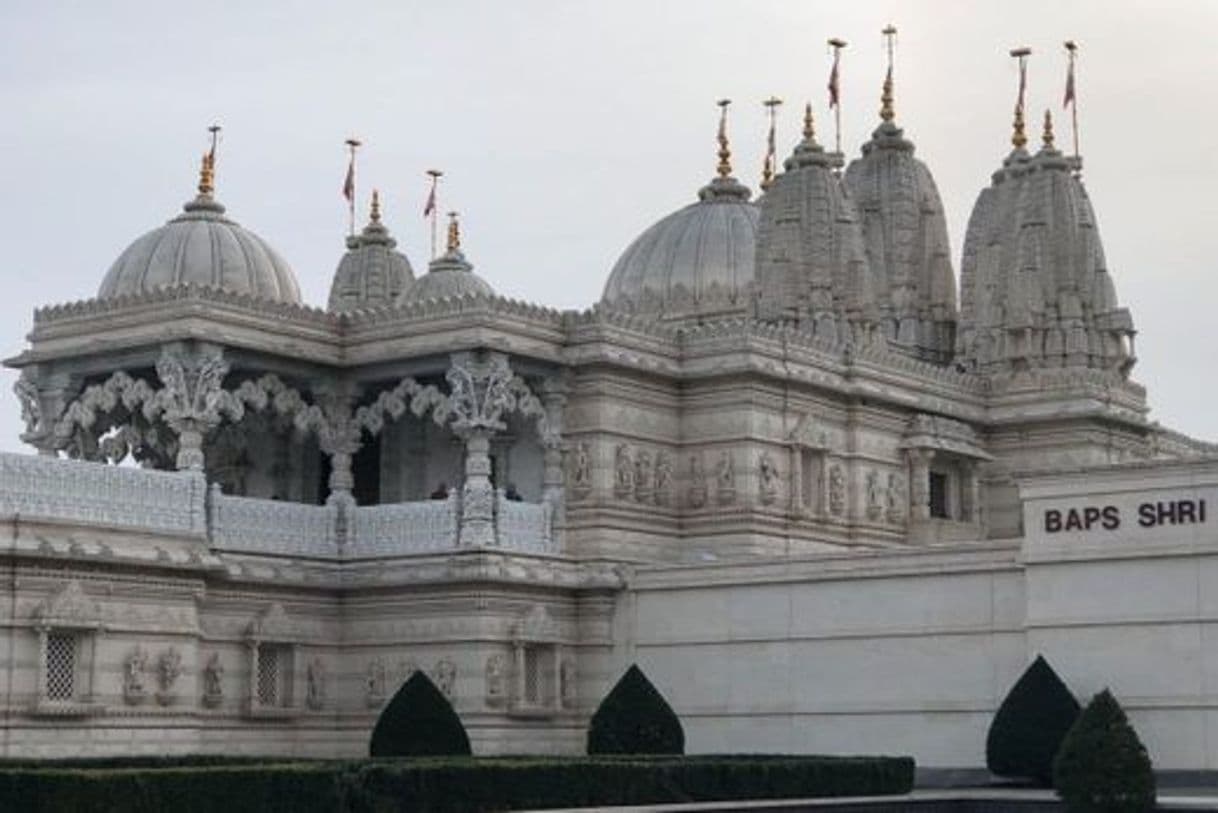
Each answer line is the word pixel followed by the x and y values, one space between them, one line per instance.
pixel 938 495
pixel 366 468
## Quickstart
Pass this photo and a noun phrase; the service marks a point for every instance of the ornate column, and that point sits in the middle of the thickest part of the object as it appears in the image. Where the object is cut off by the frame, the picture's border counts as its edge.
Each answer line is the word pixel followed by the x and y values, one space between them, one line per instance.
pixel 477 496
pixel 43 398
pixel 192 397
pixel 919 483
pixel 339 437
pixel 553 491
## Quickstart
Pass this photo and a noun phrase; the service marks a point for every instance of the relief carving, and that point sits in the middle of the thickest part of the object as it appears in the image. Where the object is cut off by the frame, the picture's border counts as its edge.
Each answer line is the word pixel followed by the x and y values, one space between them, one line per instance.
pixel 315 684
pixel 496 680
pixel 566 679
pixel 623 482
pixel 875 507
pixel 697 481
pixel 213 688
pixel 581 470
pixel 663 479
pixel 725 477
pixel 642 476
pixel 896 498
pixel 134 667
pixel 374 683
pixel 169 668
pixel 837 490
pixel 446 677
pixel 768 479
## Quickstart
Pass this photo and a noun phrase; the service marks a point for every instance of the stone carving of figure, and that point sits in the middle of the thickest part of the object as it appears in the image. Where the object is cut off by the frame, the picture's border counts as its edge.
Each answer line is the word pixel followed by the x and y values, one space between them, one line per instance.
pixel 697 481
pixel 134 666
pixel 169 667
pixel 768 479
pixel 874 506
pixel 374 683
pixel 624 471
pixel 896 498
pixel 315 684
pixel 566 679
pixel 446 677
pixel 496 679
pixel 581 470
pixel 642 476
pixel 213 673
pixel 31 406
pixel 663 486
pixel 837 490
pixel 725 476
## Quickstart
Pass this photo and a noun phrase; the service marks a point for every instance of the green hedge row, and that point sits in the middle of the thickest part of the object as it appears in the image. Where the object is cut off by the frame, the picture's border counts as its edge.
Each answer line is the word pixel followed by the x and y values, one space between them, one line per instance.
pixel 449 784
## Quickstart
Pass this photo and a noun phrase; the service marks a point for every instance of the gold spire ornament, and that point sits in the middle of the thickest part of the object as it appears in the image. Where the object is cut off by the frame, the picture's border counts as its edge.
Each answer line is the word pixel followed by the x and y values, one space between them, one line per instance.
pixel 771 148
pixel 454 233
pixel 809 128
pixel 1046 137
pixel 887 113
pixel 375 214
pixel 1018 137
pixel 725 152
pixel 207 173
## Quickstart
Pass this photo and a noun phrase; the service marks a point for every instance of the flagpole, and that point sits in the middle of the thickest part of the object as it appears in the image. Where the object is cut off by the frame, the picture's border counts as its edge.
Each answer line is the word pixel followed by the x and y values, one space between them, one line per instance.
pixel 349 187
pixel 767 168
pixel 431 209
pixel 1072 52
pixel 835 99
pixel 1018 138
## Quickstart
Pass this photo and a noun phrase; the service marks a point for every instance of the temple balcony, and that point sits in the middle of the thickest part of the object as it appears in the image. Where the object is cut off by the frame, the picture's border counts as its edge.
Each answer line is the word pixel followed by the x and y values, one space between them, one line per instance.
pixel 144 501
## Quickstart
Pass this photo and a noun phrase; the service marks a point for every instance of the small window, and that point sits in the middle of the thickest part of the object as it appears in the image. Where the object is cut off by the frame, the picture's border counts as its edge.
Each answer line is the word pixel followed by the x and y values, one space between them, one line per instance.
pixel 938 495
pixel 533 692
pixel 273 687
pixel 61 667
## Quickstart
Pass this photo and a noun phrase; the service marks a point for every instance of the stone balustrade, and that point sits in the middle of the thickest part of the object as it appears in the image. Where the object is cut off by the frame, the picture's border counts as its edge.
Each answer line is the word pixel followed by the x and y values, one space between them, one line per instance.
pixel 73 491
pixel 406 527
pixel 147 501
pixel 252 525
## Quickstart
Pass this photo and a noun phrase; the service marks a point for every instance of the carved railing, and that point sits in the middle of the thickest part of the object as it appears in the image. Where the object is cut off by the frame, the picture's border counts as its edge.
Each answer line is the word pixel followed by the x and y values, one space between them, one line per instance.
pixel 47 488
pixel 407 527
pixel 523 526
pixel 252 525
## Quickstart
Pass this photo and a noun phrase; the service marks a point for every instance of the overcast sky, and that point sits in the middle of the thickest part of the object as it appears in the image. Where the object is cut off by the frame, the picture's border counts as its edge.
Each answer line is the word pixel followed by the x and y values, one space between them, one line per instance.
pixel 565 128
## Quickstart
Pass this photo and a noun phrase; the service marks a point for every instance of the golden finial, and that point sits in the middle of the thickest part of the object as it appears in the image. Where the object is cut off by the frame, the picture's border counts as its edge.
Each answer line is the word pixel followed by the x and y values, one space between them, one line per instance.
pixel 725 153
pixel 1047 136
pixel 809 129
pixel 454 233
pixel 1018 137
pixel 887 113
pixel 207 178
pixel 767 168
pixel 375 214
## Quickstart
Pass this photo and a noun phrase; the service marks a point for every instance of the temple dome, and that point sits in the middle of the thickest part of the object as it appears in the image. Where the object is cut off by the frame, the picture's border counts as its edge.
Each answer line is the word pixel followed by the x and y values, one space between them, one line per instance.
pixel 904 232
pixel 448 276
pixel 201 247
pixel 697 260
pixel 1035 287
pixel 372 273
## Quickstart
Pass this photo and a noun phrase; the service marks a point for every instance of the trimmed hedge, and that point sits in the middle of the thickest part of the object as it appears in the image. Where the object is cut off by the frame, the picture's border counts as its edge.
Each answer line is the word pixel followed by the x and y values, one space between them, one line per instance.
pixel 1029 725
pixel 1102 766
pixel 634 718
pixel 419 721
pixel 452 784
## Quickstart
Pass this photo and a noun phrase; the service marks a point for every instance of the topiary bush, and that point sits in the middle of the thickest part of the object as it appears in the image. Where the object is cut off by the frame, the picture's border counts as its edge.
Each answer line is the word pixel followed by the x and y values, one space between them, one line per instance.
pixel 1029 725
pixel 634 718
pixel 1102 765
pixel 419 721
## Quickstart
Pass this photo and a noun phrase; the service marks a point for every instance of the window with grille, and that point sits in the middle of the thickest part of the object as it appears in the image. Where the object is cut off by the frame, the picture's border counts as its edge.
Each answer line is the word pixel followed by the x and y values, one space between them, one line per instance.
pixel 61 666
pixel 532 675
pixel 269 683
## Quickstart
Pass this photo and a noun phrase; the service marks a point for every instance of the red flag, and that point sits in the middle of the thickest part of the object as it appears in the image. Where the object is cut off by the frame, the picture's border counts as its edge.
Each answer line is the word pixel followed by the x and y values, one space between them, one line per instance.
pixel 430 206
pixel 1069 100
pixel 349 183
pixel 833 86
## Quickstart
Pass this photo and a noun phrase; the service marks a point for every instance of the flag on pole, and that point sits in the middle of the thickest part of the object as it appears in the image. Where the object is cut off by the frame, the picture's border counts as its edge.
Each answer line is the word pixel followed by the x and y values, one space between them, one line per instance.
pixel 430 206
pixel 349 183
pixel 834 90
pixel 1069 99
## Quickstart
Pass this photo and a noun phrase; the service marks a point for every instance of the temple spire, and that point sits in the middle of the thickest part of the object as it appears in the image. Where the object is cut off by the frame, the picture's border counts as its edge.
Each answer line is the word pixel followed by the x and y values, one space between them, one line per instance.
pixel 207 172
pixel 809 131
pixel 887 112
pixel 375 214
pixel 725 152
pixel 1047 136
pixel 454 233
pixel 1018 137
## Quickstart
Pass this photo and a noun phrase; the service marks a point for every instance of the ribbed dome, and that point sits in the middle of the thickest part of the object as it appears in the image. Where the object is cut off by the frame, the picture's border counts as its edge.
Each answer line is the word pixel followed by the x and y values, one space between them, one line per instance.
pixel 201 247
pixel 905 236
pixel 811 264
pixel 371 274
pixel 697 260
pixel 1035 286
pixel 449 275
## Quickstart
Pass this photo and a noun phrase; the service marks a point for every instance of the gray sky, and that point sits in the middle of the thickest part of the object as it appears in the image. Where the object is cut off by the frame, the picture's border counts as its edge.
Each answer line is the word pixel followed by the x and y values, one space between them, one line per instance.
pixel 565 128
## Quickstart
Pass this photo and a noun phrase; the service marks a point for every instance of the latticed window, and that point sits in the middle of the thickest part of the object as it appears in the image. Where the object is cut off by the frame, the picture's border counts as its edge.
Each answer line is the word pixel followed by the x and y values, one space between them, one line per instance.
pixel 532 675
pixel 269 676
pixel 61 666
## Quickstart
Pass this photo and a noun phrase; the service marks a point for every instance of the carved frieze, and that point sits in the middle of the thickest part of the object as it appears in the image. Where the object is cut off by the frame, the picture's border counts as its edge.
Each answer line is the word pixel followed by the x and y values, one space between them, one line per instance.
pixel 135 665
pixel 697 481
pixel 213 681
pixel 623 469
pixel 875 505
pixel 768 479
pixel 725 479
pixel 168 670
pixel 837 490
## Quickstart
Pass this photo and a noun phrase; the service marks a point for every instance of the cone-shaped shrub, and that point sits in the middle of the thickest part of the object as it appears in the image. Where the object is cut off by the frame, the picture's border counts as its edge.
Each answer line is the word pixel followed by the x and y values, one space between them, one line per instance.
pixel 1102 765
pixel 634 718
pixel 1029 725
pixel 419 721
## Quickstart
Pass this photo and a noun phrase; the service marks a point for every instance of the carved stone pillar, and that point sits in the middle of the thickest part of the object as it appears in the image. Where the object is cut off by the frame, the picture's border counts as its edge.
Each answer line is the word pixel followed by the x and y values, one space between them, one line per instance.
pixel 43 398
pixel 191 397
pixel 554 398
pixel 339 438
pixel 919 483
pixel 477 496
pixel 970 492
